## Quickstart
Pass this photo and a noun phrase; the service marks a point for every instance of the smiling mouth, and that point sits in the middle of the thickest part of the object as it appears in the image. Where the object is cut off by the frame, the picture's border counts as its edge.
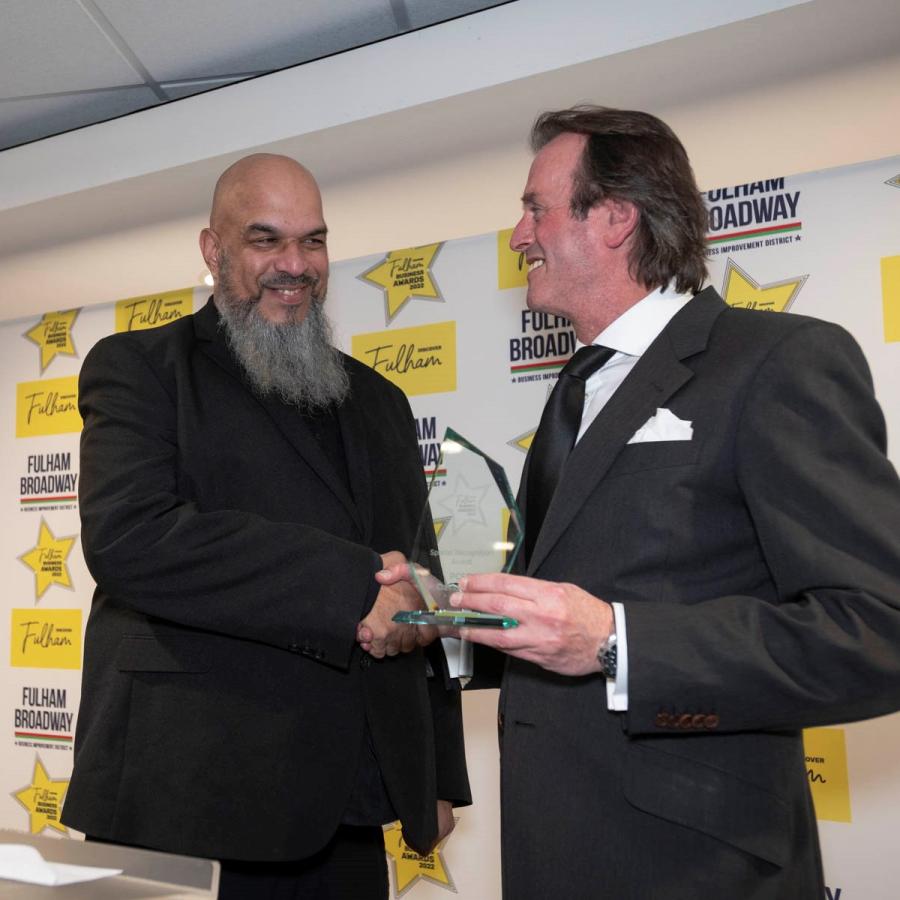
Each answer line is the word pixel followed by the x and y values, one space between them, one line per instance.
pixel 287 292
pixel 535 264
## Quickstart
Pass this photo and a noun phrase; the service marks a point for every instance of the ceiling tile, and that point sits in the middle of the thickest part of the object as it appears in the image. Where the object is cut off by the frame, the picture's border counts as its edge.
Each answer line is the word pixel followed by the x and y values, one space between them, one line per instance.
pixel 29 120
pixel 177 40
pixel 429 12
pixel 48 46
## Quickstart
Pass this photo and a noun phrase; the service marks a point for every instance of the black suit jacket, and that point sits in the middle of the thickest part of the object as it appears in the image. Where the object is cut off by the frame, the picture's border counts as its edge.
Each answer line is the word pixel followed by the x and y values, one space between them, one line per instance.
pixel 224 697
pixel 759 569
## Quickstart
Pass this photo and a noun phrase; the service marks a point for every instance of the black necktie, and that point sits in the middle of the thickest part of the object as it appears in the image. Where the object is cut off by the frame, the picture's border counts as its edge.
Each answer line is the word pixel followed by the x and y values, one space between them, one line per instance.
pixel 556 434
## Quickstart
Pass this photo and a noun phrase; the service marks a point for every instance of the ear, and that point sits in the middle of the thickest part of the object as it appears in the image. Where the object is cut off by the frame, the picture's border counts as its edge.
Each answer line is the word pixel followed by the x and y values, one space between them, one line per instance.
pixel 621 220
pixel 209 247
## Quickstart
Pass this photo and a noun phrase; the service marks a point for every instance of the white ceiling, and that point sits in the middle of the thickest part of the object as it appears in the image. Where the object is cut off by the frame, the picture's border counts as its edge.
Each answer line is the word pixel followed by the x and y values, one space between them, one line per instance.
pixel 70 63
pixel 374 111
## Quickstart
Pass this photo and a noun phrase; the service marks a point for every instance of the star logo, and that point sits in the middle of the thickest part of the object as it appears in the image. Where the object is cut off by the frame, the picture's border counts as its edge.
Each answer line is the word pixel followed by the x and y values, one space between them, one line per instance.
pixel 523 441
pixel 47 559
pixel 53 334
pixel 440 524
pixel 43 799
pixel 408 867
pixel 742 290
pixel 464 504
pixel 894 182
pixel 404 274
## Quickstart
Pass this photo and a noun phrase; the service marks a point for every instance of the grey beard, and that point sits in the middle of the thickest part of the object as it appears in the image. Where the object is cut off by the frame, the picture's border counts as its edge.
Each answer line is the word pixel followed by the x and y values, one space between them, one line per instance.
pixel 295 361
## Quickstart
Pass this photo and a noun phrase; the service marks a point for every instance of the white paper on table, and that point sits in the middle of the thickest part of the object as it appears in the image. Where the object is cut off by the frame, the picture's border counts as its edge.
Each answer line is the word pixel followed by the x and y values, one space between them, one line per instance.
pixel 21 862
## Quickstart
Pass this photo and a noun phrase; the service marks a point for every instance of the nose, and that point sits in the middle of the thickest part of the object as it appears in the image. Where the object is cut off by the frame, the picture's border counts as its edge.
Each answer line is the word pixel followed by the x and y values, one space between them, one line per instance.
pixel 521 238
pixel 291 259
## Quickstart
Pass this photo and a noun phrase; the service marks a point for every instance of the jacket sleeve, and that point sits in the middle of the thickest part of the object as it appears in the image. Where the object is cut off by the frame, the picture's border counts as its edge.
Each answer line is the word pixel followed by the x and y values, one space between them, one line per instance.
pixel 824 502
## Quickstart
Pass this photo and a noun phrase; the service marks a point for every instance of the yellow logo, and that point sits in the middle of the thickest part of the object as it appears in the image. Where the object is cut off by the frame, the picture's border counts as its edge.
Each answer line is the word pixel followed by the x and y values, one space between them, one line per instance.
pixel 826 769
pixel 153 310
pixel 440 526
pixel 47 407
pixel 512 270
pixel 47 559
pixel 53 334
pixel 45 639
pixel 740 289
pixel 890 292
pixel 404 274
pixel 43 799
pixel 418 360
pixel 408 867
pixel 523 441
pixel 894 182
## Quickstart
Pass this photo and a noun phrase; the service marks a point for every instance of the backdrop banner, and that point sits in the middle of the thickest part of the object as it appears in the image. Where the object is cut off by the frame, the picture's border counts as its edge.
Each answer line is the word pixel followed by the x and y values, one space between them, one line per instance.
pixel 447 322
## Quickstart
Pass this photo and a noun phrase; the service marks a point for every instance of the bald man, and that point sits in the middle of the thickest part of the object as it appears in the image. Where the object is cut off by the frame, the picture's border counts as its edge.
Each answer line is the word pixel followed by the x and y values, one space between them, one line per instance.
pixel 246 696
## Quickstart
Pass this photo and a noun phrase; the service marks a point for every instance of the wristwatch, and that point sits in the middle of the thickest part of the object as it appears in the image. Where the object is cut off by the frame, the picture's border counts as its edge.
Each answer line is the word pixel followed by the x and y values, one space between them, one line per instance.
pixel 606 656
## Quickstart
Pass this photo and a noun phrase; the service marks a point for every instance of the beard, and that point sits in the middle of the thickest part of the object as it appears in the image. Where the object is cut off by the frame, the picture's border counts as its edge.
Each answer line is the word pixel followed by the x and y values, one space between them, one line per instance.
pixel 293 360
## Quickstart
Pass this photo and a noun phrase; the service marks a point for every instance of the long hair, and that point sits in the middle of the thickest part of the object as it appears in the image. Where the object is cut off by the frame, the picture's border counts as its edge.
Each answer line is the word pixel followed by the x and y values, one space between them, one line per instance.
pixel 633 156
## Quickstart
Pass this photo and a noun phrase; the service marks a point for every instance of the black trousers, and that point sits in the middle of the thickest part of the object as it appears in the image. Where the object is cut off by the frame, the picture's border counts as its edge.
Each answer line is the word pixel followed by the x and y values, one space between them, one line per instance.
pixel 352 866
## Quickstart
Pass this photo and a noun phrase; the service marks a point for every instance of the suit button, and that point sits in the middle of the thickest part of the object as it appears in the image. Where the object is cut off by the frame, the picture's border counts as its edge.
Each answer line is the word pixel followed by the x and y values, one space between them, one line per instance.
pixel 662 720
pixel 685 720
pixel 712 721
pixel 320 654
pixel 294 648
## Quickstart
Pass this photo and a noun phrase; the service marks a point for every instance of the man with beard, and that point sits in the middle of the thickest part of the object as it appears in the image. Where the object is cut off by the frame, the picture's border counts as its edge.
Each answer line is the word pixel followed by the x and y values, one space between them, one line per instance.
pixel 246 695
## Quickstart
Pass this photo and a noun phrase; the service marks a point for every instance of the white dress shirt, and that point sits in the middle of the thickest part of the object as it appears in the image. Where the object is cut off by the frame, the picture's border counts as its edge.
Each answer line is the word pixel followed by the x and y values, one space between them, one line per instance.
pixel 629 335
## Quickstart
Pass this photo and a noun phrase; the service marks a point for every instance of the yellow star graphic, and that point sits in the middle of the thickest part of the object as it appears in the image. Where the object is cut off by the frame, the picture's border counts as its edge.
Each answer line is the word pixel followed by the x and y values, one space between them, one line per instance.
pixel 740 289
pixel 48 560
pixel 440 524
pixel 409 867
pixel 523 441
pixel 43 799
pixel 404 274
pixel 53 334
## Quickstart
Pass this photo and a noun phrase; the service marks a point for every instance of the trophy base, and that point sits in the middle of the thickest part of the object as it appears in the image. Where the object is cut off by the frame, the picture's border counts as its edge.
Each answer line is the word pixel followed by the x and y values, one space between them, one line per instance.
pixel 454 618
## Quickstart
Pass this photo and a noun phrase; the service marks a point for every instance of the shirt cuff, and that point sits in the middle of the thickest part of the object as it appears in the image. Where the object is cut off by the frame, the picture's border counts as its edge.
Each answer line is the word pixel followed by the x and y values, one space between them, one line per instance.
pixel 617 688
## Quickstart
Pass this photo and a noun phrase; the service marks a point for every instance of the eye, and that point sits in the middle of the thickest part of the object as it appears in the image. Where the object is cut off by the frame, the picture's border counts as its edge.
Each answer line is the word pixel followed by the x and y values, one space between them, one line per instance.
pixel 263 241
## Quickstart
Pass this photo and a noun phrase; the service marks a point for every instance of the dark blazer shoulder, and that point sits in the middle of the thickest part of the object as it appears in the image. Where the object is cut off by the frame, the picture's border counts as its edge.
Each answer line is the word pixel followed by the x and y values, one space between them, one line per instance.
pixel 366 383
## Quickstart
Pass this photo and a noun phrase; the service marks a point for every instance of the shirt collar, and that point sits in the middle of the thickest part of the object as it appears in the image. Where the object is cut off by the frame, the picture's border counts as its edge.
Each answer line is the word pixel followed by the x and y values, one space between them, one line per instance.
pixel 639 326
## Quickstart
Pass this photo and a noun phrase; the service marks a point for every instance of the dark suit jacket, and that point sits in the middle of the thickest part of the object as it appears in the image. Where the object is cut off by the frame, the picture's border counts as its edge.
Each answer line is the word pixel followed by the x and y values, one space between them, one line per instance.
pixel 759 568
pixel 224 697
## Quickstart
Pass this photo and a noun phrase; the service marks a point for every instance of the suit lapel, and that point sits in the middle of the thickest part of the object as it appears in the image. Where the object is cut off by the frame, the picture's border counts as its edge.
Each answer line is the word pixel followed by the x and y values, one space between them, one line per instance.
pixel 211 341
pixel 658 374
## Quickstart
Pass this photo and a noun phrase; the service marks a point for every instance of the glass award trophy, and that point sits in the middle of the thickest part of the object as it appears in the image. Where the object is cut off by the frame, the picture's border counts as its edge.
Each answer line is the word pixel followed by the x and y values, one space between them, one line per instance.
pixel 470 523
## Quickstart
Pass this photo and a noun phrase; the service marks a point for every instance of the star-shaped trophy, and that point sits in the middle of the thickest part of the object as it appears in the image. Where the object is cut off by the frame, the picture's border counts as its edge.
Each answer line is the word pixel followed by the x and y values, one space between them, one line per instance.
pixel 470 523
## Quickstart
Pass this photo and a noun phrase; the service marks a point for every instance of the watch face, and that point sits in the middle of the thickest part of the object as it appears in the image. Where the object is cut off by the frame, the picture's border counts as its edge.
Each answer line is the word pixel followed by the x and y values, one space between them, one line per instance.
pixel 607 656
pixel 608 662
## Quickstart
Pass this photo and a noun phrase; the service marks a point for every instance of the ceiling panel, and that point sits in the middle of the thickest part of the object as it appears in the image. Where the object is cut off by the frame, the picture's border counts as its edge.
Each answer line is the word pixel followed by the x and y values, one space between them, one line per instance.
pixel 53 45
pixel 426 12
pixel 178 39
pixel 17 117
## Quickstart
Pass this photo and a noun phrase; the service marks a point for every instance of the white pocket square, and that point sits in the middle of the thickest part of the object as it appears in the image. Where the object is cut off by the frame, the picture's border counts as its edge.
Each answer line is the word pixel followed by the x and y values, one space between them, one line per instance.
pixel 664 426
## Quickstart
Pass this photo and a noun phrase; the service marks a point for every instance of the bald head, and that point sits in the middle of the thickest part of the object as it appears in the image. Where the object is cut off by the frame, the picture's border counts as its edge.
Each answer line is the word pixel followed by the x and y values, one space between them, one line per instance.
pixel 266 236
pixel 257 174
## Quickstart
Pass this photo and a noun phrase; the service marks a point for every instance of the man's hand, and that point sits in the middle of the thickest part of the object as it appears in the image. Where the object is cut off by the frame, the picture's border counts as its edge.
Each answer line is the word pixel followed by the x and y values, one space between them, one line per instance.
pixel 377 634
pixel 561 627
